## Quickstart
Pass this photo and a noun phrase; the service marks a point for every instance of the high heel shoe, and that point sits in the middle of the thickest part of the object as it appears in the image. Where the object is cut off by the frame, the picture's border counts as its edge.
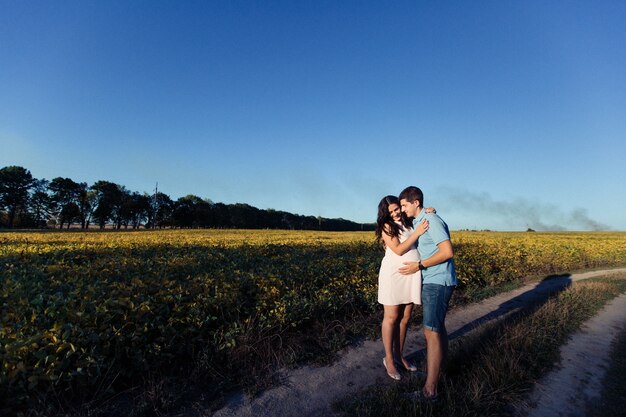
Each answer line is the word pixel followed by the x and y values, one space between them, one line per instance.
pixel 410 368
pixel 396 376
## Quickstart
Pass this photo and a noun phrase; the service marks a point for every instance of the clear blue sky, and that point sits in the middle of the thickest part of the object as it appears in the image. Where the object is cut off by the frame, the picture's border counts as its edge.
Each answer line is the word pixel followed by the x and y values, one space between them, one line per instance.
pixel 508 114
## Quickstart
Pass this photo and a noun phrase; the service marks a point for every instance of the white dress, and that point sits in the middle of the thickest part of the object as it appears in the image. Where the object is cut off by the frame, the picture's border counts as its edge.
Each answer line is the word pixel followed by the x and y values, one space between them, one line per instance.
pixel 393 287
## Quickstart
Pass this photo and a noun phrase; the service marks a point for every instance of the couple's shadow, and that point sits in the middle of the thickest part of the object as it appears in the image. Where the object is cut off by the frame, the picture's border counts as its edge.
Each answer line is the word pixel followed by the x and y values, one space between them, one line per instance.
pixel 528 300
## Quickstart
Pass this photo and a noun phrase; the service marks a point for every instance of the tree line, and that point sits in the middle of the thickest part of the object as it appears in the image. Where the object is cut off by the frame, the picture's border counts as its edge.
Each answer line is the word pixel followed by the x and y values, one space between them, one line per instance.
pixel 28 202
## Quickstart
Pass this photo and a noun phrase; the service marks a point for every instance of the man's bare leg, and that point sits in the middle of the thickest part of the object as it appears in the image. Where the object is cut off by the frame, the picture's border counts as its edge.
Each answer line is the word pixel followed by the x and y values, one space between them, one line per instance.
pixel 435 353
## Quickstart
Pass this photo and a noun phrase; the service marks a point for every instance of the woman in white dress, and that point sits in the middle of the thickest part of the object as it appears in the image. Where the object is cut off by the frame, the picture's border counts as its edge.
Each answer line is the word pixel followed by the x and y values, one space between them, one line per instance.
pixel 396 292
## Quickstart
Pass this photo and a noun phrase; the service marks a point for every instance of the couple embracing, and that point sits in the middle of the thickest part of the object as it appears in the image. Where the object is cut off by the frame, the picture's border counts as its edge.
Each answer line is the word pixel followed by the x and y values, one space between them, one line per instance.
pixel 417 269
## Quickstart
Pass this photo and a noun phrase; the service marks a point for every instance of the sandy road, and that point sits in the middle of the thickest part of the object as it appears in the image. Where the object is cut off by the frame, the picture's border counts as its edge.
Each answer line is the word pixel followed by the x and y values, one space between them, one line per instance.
pixel 566 391
pixel 311 391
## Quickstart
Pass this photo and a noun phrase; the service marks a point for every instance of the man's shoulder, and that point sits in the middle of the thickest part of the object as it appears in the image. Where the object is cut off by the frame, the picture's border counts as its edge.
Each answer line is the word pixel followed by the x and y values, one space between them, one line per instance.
pixel 437 228
pixel 434 217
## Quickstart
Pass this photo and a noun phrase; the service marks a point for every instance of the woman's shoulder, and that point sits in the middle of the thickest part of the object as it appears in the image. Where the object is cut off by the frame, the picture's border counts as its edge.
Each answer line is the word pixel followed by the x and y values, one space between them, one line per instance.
pixel 387 231
pixel 406 227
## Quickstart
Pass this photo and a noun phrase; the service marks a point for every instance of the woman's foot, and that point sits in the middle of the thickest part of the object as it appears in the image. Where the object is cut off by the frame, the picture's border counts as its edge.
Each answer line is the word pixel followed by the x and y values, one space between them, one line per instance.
pixel 406 365
pixel 393 374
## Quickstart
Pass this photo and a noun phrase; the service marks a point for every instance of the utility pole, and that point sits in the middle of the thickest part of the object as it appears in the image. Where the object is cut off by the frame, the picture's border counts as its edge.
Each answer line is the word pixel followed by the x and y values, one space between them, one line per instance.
pixel 156 205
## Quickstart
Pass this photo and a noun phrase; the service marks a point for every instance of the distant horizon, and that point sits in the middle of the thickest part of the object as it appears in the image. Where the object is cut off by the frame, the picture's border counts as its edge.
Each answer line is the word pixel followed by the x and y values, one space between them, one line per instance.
pixel 507 115
pixel 487 206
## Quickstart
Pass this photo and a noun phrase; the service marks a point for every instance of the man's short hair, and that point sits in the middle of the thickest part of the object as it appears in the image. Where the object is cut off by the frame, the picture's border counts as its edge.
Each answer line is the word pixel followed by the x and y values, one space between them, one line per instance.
pixel 411 194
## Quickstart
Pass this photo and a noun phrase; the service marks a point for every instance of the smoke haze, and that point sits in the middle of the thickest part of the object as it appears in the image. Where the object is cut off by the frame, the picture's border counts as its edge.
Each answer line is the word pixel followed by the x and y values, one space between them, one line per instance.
pixel 519 214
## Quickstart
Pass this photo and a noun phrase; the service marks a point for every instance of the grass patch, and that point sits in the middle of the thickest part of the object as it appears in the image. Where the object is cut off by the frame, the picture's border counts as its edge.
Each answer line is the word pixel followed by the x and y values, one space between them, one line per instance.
pixel 495 366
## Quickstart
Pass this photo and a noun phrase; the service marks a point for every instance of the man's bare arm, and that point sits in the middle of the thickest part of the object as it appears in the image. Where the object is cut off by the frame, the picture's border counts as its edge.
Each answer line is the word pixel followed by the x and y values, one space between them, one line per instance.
pixel 443 253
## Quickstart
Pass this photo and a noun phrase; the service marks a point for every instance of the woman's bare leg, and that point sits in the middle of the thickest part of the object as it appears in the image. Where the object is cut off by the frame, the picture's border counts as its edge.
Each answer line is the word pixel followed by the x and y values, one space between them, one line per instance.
pixel 404 316
pixel 388 329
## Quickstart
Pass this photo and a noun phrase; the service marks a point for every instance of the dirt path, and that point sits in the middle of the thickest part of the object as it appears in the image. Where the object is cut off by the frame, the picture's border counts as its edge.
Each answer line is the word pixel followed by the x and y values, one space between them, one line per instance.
pixel 584 361
pixel 311 391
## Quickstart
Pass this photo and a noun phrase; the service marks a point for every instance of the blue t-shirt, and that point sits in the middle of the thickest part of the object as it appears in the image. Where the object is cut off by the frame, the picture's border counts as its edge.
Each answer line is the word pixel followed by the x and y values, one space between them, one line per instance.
pixel 443 273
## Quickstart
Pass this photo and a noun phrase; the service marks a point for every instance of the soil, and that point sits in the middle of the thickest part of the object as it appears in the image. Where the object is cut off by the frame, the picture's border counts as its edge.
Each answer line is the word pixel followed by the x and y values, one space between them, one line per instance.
pixel 310 391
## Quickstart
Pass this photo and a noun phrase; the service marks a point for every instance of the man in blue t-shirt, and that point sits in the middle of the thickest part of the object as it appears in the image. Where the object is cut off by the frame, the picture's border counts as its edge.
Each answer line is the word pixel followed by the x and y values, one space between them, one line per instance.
pixel 439 280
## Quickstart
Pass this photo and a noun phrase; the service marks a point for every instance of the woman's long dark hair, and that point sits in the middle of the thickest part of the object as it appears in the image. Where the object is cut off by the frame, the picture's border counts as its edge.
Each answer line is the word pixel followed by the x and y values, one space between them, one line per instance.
pixel 384 220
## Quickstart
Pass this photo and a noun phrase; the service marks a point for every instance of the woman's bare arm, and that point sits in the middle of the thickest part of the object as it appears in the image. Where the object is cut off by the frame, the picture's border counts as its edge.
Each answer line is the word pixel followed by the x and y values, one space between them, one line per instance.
pixel 401 248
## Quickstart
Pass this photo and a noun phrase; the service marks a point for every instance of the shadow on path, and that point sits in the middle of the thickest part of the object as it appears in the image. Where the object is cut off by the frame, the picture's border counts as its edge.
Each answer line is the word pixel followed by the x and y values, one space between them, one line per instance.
pixel 532 298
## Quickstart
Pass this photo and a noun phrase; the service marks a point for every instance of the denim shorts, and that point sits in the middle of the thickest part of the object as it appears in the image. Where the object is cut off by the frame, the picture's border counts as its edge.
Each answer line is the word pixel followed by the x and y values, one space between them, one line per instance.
pixel 435 299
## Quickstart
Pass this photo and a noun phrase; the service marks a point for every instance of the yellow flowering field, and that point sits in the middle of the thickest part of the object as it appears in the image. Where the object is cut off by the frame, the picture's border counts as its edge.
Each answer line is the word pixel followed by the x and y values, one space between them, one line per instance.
pixel 78 307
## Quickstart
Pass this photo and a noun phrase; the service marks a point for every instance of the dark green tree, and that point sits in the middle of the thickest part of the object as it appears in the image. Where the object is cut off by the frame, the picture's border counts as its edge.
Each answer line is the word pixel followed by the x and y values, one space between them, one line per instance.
pixel 108 198
pixel 86 200
pixel 69 214
pixel 203 215
pixel 221 215
pixel 244 216
pixel 118 207
pixel 41 204
pixel 15 182
pixel 135 209
pixel 65 192
pixel 163 207
pixel 184 214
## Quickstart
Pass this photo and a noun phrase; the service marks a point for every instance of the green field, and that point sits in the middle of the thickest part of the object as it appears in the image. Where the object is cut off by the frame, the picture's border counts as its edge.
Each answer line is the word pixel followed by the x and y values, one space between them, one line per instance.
pixel 86 315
